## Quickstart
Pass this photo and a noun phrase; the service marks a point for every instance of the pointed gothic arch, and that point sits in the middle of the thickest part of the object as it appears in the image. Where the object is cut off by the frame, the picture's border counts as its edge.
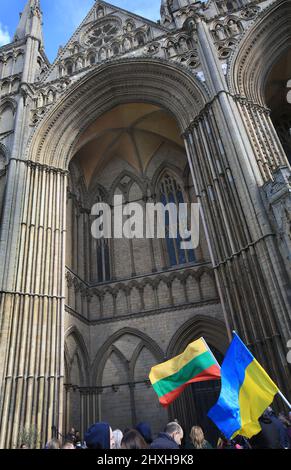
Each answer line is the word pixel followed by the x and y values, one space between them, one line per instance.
pixel 101 356
pixel 134 179
pixel 117 82
pixel 80 346
pixel 259 48
pixel 211 329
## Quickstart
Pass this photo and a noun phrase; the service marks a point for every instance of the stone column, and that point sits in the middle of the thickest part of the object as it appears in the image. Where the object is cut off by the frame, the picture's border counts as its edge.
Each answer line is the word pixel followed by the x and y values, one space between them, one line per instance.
pixel 32 301
pixel 227 175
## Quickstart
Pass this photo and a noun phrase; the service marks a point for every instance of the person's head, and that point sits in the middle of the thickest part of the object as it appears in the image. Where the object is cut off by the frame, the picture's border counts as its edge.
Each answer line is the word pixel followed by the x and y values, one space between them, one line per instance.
pixel 133 440
pixel 197 437
pixel 68 445
pixel 145 430
pixel 99 436
pixel 175 431
pixel 73 430
pixel 23 446
pixel 117 434
pixel 53 444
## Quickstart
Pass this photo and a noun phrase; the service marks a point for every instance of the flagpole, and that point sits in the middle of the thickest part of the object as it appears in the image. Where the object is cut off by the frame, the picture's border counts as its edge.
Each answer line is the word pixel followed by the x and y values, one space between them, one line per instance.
pixel 284 399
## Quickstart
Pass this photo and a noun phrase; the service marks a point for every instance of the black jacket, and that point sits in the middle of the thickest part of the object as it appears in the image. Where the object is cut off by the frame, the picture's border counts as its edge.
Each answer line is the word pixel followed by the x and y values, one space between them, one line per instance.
pixel 164 441
pixel 269 437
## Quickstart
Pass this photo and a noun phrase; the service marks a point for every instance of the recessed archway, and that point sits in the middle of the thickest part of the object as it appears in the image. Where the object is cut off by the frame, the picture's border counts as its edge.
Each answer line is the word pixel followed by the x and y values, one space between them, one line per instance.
pixel 152 81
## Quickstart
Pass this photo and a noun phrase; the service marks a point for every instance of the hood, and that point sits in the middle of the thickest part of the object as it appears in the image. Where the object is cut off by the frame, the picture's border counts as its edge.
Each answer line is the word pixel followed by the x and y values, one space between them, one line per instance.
pixel 98 436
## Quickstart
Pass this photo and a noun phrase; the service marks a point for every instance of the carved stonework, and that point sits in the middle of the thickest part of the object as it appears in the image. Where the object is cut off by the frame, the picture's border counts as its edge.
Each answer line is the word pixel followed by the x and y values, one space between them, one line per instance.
pixel 278 202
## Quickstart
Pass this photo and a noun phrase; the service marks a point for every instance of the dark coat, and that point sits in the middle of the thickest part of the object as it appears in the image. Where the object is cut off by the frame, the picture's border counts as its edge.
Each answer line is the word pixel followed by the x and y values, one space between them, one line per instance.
pixel 164 441
pixel 283 435
pixel 268 438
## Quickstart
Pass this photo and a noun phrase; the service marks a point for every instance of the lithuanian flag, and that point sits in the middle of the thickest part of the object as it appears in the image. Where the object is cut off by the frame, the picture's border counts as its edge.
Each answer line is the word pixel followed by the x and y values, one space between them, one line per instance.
pixel 195 364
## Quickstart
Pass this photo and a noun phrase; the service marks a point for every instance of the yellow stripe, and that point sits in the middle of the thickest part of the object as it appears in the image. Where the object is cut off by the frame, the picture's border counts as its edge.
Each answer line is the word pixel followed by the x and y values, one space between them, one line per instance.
pixel 256 394
pixel 170 367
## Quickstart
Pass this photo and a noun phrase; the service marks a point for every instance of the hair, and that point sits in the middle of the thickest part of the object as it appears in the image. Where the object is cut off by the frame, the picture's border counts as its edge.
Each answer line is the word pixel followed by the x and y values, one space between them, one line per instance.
pixel 173 427
pixel 53 444
pixel 23 446
pixel 117 438
pixel 133 440
pixel 197 437
pixel 68 445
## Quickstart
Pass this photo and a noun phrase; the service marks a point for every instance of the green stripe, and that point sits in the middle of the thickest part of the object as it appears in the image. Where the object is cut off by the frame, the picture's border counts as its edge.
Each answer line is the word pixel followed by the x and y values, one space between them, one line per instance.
pixel 188 372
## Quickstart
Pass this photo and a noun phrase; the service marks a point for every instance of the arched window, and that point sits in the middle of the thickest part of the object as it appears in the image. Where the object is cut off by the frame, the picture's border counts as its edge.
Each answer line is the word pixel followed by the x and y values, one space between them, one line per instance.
pixel 140 39
pixel 171 192
pixel 69 67
pixel 92 59
pixel 115 48
pixel 6 119
pixel 103 264
pixel 102 251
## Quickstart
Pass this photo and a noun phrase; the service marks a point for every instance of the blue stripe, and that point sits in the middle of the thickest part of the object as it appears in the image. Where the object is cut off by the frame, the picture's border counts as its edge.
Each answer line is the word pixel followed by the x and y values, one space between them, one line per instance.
pixel 226 412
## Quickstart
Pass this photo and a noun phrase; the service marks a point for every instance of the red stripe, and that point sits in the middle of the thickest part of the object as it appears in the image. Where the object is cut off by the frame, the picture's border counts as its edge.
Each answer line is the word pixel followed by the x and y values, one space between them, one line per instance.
pixel 212 373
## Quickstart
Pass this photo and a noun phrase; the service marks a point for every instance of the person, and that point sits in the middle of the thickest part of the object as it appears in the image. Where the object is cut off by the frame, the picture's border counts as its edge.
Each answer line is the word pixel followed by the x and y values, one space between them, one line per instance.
pixel 117 434
pixel 269 437
pixel 68 445
pixel 224 443
pixel 99 436
pixel 197 439
pixel 282 429
pixel 78 442
pixel 171 438
pixel 53 444
pixel 23 446
pixel 145 430
pixel 241 442
pixel 133 440
pixel 71 436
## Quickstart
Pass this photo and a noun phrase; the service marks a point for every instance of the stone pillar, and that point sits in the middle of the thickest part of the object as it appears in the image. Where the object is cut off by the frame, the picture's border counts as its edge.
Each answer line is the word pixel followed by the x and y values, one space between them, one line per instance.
pixel 227 173
pixel 32 301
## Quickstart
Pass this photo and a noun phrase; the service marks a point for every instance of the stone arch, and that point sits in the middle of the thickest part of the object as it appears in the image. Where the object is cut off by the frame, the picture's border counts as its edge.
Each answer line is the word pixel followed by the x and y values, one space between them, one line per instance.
pixel 134 179
pixel 268 38
pixel 80 346
pixel 211 329
pixel 118 82
pixel 77 180
pixel 101 356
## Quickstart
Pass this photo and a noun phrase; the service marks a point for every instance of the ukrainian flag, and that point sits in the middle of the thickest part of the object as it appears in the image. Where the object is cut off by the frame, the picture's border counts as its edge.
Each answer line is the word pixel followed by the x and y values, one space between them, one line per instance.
pixel 246 392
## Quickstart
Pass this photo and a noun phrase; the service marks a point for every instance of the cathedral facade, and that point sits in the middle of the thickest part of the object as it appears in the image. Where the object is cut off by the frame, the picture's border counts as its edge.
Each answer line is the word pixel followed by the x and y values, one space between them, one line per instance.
pixel 192 108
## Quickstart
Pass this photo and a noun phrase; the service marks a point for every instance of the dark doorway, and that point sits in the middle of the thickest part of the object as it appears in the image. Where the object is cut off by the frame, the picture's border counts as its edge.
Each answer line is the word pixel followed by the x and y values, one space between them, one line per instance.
pixel 191 408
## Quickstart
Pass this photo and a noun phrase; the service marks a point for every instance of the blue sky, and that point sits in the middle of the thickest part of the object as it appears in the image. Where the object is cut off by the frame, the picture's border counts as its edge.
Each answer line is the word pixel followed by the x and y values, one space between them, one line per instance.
pixel 61 18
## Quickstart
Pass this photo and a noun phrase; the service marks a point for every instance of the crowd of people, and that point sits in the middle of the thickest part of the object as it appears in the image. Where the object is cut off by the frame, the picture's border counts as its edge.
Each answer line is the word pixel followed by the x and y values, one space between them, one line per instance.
pixel 275 434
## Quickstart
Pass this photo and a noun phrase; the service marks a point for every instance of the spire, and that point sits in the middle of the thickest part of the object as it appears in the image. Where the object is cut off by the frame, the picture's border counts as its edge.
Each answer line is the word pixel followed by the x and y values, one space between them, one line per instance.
pixel 30 22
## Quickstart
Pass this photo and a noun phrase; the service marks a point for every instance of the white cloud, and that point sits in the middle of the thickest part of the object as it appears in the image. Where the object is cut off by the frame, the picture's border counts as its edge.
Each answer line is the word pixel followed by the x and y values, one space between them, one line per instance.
pixel 4 35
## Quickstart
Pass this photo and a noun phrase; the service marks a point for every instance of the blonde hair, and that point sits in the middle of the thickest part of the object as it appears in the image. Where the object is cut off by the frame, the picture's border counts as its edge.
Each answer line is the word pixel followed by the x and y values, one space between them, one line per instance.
pixel 197 437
